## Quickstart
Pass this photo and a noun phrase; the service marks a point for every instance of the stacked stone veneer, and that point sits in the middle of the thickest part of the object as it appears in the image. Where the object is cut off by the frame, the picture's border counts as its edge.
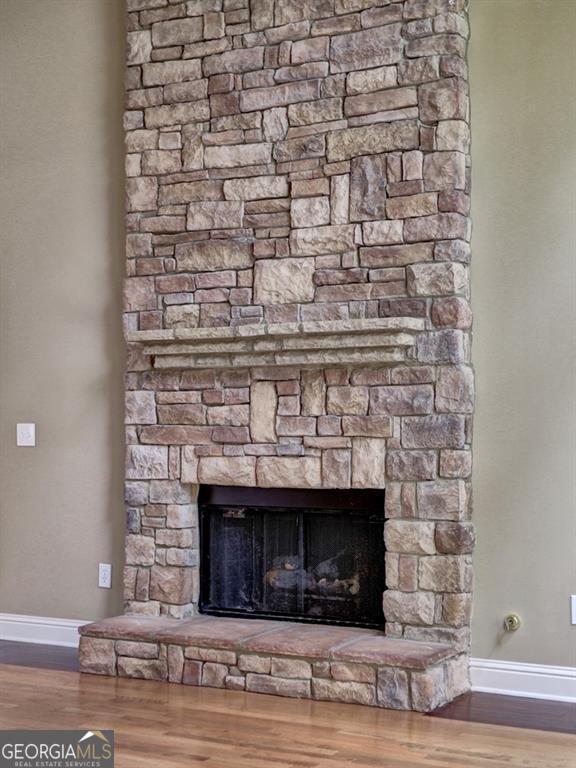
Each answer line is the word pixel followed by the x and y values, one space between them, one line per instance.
pixel 301 161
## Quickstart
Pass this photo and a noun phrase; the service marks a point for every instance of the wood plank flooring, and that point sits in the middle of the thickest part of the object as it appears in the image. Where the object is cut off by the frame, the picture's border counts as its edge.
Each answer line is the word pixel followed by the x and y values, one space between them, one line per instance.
pixel 158 724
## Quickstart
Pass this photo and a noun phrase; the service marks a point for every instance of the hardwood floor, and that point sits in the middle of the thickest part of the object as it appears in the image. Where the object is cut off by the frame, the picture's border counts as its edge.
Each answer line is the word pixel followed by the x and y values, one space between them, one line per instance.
pixel 39 655
pixel 514 711
pixel 157 724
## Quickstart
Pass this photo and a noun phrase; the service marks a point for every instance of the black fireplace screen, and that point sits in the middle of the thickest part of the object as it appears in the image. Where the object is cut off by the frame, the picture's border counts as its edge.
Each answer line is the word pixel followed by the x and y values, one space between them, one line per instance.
pixel 314 556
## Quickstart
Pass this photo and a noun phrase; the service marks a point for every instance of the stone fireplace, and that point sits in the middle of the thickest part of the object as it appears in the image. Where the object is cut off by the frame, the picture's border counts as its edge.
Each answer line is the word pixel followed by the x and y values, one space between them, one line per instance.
pixel 297 318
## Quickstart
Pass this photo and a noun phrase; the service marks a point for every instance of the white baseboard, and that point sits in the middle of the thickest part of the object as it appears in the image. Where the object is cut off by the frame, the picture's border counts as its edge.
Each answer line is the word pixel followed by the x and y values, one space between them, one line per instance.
pixel 39 629
pixel 534 681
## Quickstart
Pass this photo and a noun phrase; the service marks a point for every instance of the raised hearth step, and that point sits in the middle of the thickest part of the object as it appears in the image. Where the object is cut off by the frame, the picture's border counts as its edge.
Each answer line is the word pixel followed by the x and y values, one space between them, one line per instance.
pixel 285 658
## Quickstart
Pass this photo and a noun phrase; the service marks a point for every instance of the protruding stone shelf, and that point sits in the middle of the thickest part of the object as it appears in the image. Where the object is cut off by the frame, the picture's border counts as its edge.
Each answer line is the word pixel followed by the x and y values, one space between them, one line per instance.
pixel 284 658
pixel 340 342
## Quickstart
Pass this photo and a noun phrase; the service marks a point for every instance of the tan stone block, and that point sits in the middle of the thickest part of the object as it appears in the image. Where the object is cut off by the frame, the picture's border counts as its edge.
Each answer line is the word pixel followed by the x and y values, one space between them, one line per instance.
pixel 310 212
pixel 283 281
pixel 336 467
pixel 372 139
pixel 409 536
pixel 313 393
pixel 141 194
pixel 159 161
pixel 317 241
pixel 443 100
pixel 235 683
pixel 175 659
pixel 237 155
pixel 382 232
pixel 400 500
pixel 436 279
pixel 144 669
pixel 347 692
pixel 444 573
pixel 227 470
pixel 453 135
pixel 291 668
pixel 442 499
pixel 164 72
pixel 421 70
pixel 96 656
pixel 299 689
pixel 275 124
pixel 213 675
pixel 171 585
pixel 137 650
pixel 444 170
pixel 455 389
pixel 256 188
pixel 396 255
pixel 457 609
pixel 177 114
pixel 213 255
pixel 350 672
pixel 140 550
pixel 263 412
pixel 320 111
pixel 138 48
pixel 347 400
pixel 215 214
pixel 288 472
pixel 380 47
pixel 370 80
pixel 455 464
pixel 393 688
pixel 438 227
pixel 392 98
pixel 409 607
pixel 250 663
pixel 144 462
pixel 182 316
pixel 236 61
pixel 140 407
pixel 368 460
pixel 177 32
pixel 279 95
pixel 428 689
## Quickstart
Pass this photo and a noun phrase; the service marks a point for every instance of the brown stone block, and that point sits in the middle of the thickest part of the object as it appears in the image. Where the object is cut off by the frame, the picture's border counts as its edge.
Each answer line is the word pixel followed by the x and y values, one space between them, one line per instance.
pixel 452 312
pixel 139 550
pixel 192 673
pixel 350 672
pixel 442 499
pixel 455 538
pixel 455 389
pixel 182 414
pixel 177 32
pixel 396 255
pixel 455 464
pixel 347 400
pixel 411 465
pixel 176 435
pixel 393 690
pixel 299 689
pixel 448 346
pixel 428 689
pixel 457 609
pixel 379 46
pixel 402 400
pixel 443 100
pixel 214 675
pixel 367 426
pixel 291 668
pixel 372 139
pixel 175 659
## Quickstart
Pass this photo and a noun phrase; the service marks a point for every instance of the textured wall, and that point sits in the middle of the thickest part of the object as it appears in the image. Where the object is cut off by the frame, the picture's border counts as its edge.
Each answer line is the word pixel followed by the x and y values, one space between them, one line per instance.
pixel 301 162
pixel 61 341
pixel 522 74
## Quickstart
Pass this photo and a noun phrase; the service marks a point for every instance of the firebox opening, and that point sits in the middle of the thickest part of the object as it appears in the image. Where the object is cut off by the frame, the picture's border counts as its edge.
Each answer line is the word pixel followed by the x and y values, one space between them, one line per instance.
pixel 304 555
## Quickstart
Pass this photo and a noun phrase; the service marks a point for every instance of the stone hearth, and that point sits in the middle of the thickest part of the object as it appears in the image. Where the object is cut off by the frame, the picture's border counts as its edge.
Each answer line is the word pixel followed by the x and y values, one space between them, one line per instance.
pixel 297 312
pixel 313 662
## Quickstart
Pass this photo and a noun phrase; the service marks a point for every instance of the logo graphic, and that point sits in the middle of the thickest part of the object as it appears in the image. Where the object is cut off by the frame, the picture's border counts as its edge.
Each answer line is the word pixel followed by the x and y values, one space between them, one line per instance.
pixel 57 749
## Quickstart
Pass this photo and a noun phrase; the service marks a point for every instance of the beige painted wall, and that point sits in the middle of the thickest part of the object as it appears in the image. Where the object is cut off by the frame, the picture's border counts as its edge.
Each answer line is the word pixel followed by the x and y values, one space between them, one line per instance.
pixel 60 343
pixel 523 87
pixel 61 266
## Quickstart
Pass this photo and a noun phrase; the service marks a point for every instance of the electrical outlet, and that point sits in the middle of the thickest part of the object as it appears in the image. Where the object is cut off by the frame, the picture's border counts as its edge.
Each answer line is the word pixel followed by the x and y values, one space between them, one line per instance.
pixel 573 606
pixel 25 435
pixel 104 575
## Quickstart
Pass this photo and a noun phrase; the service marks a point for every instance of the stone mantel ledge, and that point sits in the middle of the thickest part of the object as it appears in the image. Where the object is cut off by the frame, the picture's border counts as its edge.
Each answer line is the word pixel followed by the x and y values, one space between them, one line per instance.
pixel 338 342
